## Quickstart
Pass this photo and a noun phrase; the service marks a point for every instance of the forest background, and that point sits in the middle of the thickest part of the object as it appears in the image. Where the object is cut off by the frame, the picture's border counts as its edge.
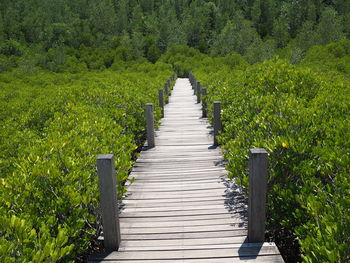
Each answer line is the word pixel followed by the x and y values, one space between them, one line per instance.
pixel 64 35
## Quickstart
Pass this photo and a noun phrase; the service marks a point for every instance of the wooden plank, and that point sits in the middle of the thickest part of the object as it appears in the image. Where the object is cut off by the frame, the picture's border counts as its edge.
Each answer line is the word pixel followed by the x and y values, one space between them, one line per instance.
pixel 129 208
pixel 181 189
pixel 170 224
pixel 166 203
pixel 185 235
pixel 148 155
pixel 175 213
pixel 169 183
pixel 183 242
pixel 163 230
pixel 175 195
pixel 193 170
pixel 249 259
pixel 242 250
pixel 183 218
pixel 177 165
pixel 180 159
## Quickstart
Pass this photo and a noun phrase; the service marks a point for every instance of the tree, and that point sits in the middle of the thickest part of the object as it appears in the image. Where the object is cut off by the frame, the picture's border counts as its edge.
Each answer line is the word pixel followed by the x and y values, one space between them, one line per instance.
pixel 236 36
pixel 136 21
pixel 307 36
pixel 281 31
pixel 2 33
pixel 137 44
pixel 122 16
pixel 329 28
pixel 103 18
pixel 11 22
pixel 153 53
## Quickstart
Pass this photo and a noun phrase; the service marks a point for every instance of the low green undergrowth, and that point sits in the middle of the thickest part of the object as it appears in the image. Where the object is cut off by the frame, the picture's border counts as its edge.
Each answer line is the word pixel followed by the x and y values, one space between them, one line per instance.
pixel 53 127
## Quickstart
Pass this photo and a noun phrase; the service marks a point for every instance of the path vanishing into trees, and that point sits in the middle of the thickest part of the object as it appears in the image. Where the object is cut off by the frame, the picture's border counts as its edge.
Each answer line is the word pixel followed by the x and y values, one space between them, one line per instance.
pixel 181 207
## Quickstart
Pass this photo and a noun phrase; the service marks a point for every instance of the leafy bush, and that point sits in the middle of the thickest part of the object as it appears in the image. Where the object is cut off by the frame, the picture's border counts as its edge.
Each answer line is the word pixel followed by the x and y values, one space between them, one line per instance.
pixel 53 128
pixel 329 58
pixel 12 48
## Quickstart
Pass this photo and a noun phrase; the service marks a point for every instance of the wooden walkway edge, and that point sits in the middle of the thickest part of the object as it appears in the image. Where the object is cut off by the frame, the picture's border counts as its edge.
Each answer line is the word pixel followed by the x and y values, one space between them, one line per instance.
pixel 181 207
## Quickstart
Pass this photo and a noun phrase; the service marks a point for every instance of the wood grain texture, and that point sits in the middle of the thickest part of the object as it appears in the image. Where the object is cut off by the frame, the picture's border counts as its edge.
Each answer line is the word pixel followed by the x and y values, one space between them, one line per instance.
pixel 181 207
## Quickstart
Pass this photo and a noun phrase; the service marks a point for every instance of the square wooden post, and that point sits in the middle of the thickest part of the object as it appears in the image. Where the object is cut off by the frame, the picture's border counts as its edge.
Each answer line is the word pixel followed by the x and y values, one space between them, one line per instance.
pixel 109 201
pixel 198 92
pixel 161 101
pixel 166 93
pixel 257 195
pixel 204 103
pixel 217 121
pixel 150 125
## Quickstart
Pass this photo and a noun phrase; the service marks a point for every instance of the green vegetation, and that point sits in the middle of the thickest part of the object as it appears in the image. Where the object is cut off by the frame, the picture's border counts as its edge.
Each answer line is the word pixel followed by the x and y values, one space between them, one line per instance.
pixel 74 78
pixel 53 128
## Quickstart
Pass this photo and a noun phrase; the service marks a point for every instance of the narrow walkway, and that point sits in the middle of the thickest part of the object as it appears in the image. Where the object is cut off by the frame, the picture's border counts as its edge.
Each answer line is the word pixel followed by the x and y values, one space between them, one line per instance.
pixel 181 208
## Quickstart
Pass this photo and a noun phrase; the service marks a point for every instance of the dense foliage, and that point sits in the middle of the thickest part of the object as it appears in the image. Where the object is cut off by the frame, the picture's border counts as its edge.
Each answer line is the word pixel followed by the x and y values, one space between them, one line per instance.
pixel 74 76
pixel 93 34
pixel 300 115
pixel 53 126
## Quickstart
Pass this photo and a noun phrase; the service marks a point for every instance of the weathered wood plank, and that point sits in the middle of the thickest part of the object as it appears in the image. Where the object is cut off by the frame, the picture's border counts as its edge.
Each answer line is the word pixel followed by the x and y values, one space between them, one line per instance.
pixel 184 235
pixel 170 224
pixel 236 252
pixel 183 242
pixel 249 259
pixel 129 208
pixel 168 230
pixel 175 213
pixel 183 218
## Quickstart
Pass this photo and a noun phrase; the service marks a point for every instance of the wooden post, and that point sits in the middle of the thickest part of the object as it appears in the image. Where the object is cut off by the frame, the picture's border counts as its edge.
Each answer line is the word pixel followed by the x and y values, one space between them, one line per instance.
pixel 109 201
pixel 169 85
pixel 166 91
pixel 161 101
pixel 150 125
pixel 204 103
pixel 257 195
pixel 217 121
pixel 198 92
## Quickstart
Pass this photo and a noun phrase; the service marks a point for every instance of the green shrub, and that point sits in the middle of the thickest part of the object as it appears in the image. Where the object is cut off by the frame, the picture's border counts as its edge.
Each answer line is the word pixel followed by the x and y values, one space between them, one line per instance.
pixel 11 48
pixel 301 118
pixel 52 130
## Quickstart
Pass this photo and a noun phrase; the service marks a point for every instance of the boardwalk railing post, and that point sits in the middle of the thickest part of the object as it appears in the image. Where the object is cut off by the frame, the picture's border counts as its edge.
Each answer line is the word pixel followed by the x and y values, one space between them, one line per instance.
pixel 109 201
pixel 204 103
pixel 198 92
pixel 257 195
pixel 194 86
pixel 161 101
pixel 150 124
pixel 169 85
pixel 166 91
pixel 217 121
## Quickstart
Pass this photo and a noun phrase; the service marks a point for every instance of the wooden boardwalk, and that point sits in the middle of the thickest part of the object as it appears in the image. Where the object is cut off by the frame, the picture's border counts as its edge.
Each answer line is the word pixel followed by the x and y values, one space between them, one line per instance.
pixel 181 208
